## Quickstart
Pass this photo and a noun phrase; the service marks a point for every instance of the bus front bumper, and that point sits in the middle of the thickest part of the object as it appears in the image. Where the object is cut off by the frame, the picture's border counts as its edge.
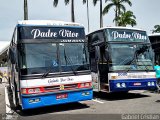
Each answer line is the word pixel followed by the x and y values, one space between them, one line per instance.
pixel 36 101
pixel 132 84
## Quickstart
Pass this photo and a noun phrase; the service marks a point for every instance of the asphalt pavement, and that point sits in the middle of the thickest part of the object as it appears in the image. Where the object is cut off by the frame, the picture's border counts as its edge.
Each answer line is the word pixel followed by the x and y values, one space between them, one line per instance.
pixel 104 106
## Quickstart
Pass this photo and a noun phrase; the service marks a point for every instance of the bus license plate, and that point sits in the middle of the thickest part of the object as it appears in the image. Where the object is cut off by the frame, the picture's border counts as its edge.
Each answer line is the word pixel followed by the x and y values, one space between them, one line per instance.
pixel 61 96
pixel 137 84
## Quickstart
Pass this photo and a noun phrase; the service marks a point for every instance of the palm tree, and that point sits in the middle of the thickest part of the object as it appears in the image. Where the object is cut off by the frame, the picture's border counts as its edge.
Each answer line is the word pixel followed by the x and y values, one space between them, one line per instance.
pixel 86 1
pixel 156 29
pixel 101 16
pixel 126 18
pixel 55 3
pixel 25 10
pixel 118 4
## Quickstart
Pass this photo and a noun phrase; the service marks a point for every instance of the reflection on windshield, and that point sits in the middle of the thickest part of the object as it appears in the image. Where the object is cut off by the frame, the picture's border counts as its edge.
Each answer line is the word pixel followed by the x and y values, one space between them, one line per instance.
pixel 130 57
pixel 73 57
pixel 39 58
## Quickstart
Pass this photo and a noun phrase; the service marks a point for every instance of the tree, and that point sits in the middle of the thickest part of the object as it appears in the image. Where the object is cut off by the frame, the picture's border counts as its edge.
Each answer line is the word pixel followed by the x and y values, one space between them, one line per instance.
pixel 86 1
pixel 55 3
pixel 126 18
pixel 156 29
pixel 25 10
pixel 119 7
pixel 101 15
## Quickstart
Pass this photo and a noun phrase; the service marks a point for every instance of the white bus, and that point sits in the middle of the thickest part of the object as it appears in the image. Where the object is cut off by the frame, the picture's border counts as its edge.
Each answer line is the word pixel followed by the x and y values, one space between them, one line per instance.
pixel 121 59
pixel 48 64
pixel 155 41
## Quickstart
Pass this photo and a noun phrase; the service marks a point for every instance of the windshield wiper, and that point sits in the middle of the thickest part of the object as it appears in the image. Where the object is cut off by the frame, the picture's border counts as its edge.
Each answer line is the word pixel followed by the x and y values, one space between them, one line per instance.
pixel 46 73
pixel 49 70
pixel 67 60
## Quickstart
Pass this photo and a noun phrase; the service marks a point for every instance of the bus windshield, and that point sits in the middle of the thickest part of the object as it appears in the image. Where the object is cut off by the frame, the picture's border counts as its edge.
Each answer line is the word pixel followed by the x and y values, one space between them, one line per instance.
pixel 59 57
pixel 130 57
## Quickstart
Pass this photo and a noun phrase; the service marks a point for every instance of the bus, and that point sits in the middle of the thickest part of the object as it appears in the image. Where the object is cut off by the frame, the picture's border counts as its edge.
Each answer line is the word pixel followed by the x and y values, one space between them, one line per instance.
pixel 121 59
pixel 48 64
pixel 155 41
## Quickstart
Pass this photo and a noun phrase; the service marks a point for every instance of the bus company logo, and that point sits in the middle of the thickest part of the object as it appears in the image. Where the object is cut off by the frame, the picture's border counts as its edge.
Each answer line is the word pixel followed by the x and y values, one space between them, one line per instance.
pixel 61 87
pixel 60 80
pixel 64 33
pixel 53 81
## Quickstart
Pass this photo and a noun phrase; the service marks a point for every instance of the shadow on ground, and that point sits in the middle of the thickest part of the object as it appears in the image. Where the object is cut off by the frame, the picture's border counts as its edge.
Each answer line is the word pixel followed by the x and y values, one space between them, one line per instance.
pixel 44 110
pixel 52 109
pixel 118 96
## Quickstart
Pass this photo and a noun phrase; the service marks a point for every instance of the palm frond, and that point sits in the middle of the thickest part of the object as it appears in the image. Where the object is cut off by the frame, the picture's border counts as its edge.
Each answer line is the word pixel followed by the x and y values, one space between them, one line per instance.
pixel 84 1
pixel 107 8
pixel 95 2
pixel 55 3
pixel 126 1
pixel 66 2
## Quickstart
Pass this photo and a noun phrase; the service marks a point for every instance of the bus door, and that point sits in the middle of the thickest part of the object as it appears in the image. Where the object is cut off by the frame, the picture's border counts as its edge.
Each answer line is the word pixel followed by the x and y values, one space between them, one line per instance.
pixel 94 69
pixel 103 69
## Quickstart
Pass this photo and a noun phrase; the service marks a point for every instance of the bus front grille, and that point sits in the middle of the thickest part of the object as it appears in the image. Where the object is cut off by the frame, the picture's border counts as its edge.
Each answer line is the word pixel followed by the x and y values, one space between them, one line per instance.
pixel 61 87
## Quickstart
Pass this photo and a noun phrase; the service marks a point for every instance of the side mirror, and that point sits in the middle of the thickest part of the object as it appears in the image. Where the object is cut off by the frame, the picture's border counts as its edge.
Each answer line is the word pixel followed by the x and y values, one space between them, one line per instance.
pixel 12 55
pixel 106 55
pixel 97 53
pixel 153 55
pixel 16 67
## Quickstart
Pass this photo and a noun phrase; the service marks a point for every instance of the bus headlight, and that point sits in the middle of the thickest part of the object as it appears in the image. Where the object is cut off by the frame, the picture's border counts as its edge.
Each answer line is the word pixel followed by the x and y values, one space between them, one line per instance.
pixel 118 85
pixel 149 84
pixel 152 84
pixel 123 85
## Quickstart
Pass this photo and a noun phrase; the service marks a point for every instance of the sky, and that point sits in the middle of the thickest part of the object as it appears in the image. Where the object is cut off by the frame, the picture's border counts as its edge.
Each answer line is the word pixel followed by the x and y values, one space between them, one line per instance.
pixel 12 10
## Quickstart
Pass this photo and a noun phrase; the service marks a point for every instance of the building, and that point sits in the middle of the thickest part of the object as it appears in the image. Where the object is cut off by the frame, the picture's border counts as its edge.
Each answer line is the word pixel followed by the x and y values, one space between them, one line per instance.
pixel 4 45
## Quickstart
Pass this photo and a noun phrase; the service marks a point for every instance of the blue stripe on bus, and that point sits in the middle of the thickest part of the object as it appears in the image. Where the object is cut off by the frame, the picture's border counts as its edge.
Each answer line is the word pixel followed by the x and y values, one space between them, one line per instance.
pixel 48 100
pixel 130 84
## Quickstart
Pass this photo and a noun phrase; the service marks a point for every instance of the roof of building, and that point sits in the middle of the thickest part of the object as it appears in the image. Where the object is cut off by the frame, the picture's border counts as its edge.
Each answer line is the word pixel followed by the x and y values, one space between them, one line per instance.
pixel 4 45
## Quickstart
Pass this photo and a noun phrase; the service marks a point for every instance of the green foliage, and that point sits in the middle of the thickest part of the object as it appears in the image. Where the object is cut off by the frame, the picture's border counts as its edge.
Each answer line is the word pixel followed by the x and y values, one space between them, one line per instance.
pixel 118 6
pixel 156 29
pixel 126 18
pixel 55 2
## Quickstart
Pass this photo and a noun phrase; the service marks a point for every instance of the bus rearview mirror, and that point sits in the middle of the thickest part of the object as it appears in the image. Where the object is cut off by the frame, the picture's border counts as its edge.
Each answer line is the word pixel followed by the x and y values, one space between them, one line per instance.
pixel 12 56
pixel 97 53
pixel 106 55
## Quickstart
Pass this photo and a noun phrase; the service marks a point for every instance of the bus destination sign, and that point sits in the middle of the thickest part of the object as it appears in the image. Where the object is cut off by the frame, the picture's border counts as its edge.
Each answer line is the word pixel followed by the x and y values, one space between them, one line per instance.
pixel 128 35
pixel 63 34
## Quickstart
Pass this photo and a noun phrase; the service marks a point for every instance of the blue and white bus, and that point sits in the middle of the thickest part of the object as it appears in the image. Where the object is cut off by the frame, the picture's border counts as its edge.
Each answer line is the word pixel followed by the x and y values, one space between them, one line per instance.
pixel 121 59
pixel 48 64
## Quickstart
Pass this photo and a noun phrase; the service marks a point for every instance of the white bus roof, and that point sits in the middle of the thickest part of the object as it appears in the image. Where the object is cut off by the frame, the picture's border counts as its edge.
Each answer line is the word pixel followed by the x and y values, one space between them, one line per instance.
pixel 47 22
pixel 118 27
pixel 154 34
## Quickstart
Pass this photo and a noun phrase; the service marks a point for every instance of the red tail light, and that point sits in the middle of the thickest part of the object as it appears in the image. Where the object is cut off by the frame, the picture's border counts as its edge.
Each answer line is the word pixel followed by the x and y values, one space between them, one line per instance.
pixel 32 90
pixel 84 85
